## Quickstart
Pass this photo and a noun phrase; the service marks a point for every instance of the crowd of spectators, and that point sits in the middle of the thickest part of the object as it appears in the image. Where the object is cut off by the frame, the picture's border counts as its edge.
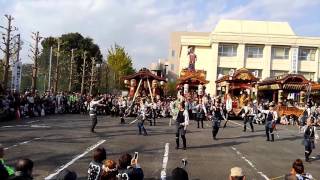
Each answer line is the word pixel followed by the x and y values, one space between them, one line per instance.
pixel 14 105
pixel 126 168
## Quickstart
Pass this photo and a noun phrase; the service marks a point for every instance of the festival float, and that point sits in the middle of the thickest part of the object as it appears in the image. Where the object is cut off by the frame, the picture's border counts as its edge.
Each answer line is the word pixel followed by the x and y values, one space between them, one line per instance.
pixel 191 82
pixel 289 88
pixel 145 84
pixel 239 85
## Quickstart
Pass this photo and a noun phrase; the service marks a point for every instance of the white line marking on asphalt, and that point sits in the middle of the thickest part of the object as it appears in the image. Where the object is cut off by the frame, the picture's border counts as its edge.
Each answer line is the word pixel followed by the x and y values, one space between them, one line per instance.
pixel 7 126
pixel 22 143
pixel 30 122
pixel 236 123
pixel 250 163
pixel 133 121
pixel 22 125
pixel 32 126
pixel 165 162
pixel 40 126
pixel 61 168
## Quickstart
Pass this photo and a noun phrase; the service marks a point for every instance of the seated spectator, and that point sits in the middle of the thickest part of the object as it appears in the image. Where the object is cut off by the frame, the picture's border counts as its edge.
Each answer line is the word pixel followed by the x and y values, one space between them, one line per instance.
pixel 10 170
pixel 297 171
pixel 67 175
pixel 236 173
pixel 95 167
pixel 284 120
pixel 24 169
pixel 129 168
pixel 110 170
pixel 3 172
pixel 179 174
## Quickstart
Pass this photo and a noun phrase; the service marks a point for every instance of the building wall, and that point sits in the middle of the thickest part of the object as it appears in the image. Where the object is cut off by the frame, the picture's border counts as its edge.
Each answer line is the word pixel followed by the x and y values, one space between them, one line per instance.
pixel 206 49
pixel 175 49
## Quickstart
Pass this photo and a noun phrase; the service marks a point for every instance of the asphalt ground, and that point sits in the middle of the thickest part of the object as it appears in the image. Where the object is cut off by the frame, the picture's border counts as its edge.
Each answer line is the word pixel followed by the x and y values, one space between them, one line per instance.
pixel 64 141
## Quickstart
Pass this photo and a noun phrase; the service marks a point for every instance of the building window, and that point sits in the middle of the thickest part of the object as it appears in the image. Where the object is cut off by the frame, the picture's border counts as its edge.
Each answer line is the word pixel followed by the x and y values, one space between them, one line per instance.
pixel 256 72
pixel 227 49
pixel 173 53
pixel 278 73
pixel 172 67
pixel 223 71
pixel 307 54
pixel 254 51
pixel 307 75
pixel 280 52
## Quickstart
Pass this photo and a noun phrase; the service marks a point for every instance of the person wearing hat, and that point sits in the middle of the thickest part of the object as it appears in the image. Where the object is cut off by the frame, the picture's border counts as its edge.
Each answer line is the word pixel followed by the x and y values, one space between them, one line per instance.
pixel 236 173
pixel 271 119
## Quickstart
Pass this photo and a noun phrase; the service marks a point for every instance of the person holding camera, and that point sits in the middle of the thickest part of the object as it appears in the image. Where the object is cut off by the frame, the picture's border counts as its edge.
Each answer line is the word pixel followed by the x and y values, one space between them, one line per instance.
pixel 129 168
pixel 182 122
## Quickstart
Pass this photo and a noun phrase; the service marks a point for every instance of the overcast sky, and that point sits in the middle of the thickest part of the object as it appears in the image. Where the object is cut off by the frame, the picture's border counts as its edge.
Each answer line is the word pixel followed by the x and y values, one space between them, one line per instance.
pixel 143 26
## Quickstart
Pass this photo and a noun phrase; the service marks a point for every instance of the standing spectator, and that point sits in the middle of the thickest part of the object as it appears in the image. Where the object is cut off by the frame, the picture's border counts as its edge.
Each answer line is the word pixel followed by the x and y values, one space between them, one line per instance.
pixel 95 167
pixel 24 169
pixel 236 173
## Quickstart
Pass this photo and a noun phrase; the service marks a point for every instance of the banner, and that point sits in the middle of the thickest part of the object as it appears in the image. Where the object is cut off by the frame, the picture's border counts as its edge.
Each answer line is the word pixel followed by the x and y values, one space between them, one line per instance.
pixel 16 76
pixel 294 62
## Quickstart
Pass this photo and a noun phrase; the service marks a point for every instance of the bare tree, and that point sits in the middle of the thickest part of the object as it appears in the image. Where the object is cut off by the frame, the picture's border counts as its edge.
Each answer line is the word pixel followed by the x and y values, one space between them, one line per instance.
pixel 35 55
pixel 8 50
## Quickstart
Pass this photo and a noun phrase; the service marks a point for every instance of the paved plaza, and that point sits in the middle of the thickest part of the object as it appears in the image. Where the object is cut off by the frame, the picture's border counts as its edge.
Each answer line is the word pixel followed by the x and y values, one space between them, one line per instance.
pixel 64 141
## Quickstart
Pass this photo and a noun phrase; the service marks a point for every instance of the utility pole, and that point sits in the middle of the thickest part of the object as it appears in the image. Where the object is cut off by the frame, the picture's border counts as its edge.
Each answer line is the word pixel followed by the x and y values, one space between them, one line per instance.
pixel 50 68
pixel 83 71
pixel 92 79
pixel 7 42
pixel 57 69
pixel 71 70
pixel 35 51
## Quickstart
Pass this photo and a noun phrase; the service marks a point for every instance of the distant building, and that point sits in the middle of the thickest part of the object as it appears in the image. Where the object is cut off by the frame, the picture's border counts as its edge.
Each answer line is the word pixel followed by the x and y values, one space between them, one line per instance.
pixel 162 69
pixel 265 48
